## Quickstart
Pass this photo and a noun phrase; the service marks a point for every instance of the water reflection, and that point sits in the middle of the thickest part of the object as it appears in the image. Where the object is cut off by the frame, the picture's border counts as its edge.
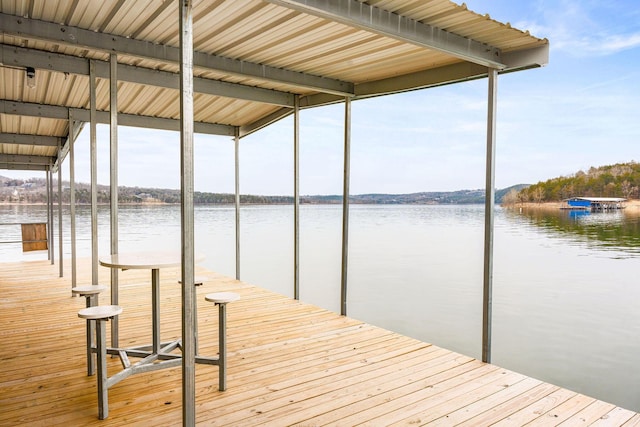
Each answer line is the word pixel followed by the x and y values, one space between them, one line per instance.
pixel 614 230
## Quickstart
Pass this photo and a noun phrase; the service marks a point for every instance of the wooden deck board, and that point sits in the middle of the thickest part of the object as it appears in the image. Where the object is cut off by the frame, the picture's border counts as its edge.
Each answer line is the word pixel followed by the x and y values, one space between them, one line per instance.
pixel 633 422
pixel 537 409
pixel 290 363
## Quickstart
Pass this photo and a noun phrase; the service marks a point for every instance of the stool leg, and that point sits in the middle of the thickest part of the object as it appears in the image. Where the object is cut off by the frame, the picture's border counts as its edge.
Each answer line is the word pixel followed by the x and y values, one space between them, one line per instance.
pixel 222 342
pixel 103 398
pixel 91 367
pixel 195 323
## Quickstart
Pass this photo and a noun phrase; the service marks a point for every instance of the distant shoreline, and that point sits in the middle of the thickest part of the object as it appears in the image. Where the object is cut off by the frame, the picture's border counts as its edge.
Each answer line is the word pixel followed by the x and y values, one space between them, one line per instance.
pixel 34 191
pixel 631 204
pixel 242 203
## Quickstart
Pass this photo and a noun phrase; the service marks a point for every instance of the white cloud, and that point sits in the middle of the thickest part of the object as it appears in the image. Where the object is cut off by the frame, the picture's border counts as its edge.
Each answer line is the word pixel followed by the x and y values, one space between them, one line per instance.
pixel 597 44
pixel 587 28
pixel 617 43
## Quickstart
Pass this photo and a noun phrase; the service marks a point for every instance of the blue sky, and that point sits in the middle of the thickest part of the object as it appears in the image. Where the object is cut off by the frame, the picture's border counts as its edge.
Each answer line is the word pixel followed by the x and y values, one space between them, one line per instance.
pixel 579 111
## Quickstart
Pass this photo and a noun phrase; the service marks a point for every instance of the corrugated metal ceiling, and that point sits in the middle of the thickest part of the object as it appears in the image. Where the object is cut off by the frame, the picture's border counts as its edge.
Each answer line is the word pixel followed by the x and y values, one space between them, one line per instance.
pixel 251 57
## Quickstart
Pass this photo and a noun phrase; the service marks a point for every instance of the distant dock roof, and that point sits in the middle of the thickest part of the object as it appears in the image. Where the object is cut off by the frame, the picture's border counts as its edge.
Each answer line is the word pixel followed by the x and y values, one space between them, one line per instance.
pixel 596 203
pixel 600 199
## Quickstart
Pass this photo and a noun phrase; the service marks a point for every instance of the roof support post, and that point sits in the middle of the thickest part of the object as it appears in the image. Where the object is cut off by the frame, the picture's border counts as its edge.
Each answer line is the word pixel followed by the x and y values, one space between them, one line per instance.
pixel 187 217
pixel 113 185
pixel 50 213
pixel 296 198
pixel 93 155
pixel 345 204
pixel 236 154
pixel 72 200
pixel 489 208
pixel 60 213
pixel 46 177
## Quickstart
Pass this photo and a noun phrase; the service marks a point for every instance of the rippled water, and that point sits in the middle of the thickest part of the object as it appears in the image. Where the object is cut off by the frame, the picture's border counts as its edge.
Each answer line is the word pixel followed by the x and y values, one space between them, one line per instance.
pixel 565 295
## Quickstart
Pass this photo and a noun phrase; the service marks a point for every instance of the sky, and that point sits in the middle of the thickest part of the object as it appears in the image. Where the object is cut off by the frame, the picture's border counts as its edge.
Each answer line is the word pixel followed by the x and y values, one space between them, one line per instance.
pixel 581 110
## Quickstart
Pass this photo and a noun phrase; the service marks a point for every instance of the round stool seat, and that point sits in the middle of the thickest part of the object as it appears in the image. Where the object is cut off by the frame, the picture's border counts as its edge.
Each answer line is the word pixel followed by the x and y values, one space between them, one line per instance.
pixel 88 290
pixel 222 297
pixel 100 312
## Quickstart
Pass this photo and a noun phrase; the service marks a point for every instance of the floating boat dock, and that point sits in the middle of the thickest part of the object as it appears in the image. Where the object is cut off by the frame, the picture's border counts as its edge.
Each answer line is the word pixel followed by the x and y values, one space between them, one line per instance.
pixel 290 363
pixel 595 204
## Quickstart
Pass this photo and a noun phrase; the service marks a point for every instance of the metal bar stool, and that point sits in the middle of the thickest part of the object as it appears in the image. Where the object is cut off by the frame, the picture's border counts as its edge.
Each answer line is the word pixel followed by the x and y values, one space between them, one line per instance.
pixel 101 314
pixel 90 293
pixel 221 299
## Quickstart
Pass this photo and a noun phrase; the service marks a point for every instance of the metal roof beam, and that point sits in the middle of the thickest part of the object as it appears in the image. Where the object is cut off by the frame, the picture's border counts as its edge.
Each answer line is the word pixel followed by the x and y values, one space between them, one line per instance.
pixel 81 114
pixel 64 150
pixel 72 36
pixel 310 101
pixel 265 121
pixel 33 110
pixel 22 139
pixel 315 100
pixel 20 167
pixel 22 57
pixel 526 58
pixel 361 15
pixel 21 159
pixel 448 74
pixel 153 122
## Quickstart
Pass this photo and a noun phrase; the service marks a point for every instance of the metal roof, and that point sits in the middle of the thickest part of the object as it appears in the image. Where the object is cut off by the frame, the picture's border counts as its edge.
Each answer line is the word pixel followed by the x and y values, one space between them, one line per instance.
pixel 251 58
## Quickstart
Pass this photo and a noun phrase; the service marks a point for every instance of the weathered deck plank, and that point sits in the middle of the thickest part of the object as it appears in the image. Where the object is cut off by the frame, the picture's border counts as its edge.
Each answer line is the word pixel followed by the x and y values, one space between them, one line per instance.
pixel 290 363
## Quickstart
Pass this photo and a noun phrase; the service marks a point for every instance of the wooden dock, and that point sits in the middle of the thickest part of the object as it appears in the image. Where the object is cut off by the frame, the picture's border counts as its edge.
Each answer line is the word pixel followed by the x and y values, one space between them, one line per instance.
pixel 290 363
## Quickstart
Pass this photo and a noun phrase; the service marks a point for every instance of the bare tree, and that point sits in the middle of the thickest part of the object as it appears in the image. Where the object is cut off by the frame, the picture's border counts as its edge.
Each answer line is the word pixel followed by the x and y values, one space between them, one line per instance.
pixel 511 198
pixel 627 189
pixel 538 195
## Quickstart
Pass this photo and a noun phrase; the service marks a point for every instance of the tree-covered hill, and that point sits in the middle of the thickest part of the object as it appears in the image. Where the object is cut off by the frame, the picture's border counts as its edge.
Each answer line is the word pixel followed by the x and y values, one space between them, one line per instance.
pixel 618 180
pixel 33 190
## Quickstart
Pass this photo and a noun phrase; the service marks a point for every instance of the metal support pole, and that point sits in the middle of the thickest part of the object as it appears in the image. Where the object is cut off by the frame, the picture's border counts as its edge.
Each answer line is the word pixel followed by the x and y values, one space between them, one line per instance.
pixel 72 200
pixel 101 359
pixel 155 308
pixel 94 175
pixel 186 185
pixel 489 216
pixel 236 143
pixel 345 204
pixel 46 177
pixel 296 198
pixel 90 301
pixel 60 215
pixel 52 247
pixel 113 176
pixel 49 215
pixel 222 346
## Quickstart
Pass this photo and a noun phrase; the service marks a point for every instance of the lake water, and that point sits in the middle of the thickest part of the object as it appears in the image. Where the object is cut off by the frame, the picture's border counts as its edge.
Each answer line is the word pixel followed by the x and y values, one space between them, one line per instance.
pixel 565 299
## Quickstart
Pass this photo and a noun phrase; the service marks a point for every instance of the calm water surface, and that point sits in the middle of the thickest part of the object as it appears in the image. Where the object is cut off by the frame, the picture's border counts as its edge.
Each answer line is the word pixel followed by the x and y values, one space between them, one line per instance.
pixel 566 297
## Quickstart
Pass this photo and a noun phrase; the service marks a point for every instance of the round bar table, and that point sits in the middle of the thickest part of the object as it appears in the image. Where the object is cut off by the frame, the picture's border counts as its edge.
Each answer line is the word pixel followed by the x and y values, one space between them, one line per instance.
pixel 142 261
